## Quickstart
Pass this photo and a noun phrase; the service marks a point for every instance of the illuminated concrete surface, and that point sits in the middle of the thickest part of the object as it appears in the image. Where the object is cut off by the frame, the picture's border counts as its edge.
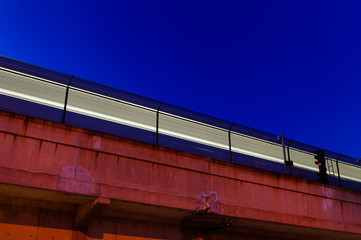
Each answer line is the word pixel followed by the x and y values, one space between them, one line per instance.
pixel 63 182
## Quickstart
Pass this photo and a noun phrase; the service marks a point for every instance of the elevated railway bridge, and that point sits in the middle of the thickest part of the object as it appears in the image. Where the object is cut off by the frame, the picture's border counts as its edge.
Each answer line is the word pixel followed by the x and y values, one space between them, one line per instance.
pixel 80 160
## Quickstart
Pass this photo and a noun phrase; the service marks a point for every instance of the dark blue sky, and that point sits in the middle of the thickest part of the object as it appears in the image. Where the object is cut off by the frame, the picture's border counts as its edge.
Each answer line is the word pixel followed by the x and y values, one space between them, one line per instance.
pixel 277 66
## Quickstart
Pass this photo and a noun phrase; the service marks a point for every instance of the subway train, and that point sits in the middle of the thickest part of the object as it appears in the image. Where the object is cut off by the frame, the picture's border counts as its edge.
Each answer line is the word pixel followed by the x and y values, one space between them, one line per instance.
pixel 38 92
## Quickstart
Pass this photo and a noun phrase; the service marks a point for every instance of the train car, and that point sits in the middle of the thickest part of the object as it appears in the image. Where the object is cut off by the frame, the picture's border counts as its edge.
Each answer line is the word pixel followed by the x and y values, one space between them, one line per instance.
pixel 42 93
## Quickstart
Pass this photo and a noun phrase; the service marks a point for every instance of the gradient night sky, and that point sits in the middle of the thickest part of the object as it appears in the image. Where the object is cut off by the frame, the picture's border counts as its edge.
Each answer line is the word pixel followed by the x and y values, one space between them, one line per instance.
pixel 277 66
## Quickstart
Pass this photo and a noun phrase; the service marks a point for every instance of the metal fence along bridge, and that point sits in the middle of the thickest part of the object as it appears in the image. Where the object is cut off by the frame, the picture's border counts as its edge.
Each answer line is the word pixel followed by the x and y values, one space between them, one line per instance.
pixel 50 95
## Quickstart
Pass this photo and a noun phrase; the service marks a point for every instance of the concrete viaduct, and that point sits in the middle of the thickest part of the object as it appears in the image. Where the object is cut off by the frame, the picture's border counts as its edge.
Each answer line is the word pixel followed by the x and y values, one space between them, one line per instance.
pixel 64 182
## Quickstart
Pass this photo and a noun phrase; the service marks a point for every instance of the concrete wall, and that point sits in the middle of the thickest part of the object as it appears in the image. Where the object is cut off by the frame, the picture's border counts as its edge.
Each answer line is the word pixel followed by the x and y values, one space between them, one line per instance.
pixel 57 178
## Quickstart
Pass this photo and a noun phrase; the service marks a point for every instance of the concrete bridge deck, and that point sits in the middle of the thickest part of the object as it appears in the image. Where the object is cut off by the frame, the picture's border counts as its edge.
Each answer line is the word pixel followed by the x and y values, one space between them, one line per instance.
pixel 63 182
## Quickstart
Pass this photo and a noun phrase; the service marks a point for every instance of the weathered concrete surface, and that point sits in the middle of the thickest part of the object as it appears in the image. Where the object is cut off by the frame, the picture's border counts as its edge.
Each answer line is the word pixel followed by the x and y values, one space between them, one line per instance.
pixel 153 192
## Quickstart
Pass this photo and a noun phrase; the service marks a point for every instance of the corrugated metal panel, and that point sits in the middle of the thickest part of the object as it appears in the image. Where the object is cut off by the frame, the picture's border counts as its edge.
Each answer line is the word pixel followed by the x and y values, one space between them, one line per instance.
pixel 35 71
pixel 112 110
pixel 32 89
pixel 193 131
pixel 350 172
pixel 195 116
pixel 256 148
pixel 114 93
pixel 303 160
pixel 237 128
